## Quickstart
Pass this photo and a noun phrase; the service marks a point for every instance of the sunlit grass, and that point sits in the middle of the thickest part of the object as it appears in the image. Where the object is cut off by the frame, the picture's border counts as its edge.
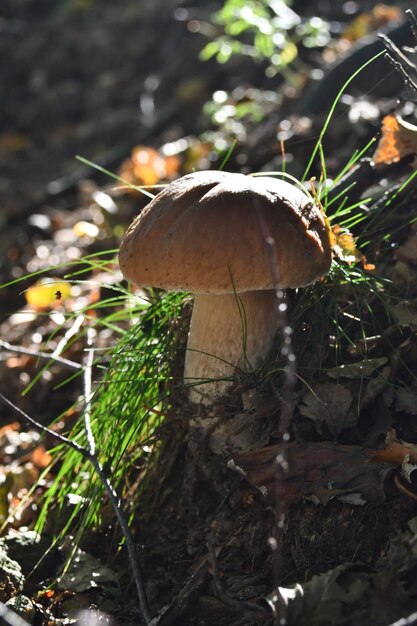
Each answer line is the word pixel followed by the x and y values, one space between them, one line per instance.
pixel 131 397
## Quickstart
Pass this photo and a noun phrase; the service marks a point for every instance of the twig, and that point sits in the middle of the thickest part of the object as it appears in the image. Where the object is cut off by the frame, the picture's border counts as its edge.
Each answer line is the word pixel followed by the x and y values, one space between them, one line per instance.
pixel 45 430
pixel 130 544
pixel 111 493
pixel 88 377
pixel 403 488
pixel 413 22
pixel 400 62
pixel 42 355
pixel 69 334
pixel 398 59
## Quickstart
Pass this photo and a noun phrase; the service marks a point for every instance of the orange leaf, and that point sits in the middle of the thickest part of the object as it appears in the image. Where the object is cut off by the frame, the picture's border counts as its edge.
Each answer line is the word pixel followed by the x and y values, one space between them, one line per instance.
pixel 372 21
pixel 14 426
pixel 398 139
pixel 148 167
pixel 395 452
pixel 344 245
pixel 40 457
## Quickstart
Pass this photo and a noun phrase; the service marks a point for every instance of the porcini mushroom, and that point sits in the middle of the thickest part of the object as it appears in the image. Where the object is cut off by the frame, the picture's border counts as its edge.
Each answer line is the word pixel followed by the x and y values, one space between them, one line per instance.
pixel 202 234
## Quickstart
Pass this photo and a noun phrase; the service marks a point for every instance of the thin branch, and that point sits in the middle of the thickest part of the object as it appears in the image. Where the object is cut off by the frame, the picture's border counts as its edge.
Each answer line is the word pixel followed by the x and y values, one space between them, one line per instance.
pixel 396 52
pixel 398 59
pixel 130 543
pixel 45 430
pixel 108 487
pixel 88 376
pixel 413 22
pixel 69 334
pixel 410 82
pixel 42 355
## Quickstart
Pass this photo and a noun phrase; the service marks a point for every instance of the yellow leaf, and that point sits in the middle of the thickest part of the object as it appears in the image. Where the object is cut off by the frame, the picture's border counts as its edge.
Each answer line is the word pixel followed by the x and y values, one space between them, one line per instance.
pixel 85 229
pixel 45 293
pixel 344 246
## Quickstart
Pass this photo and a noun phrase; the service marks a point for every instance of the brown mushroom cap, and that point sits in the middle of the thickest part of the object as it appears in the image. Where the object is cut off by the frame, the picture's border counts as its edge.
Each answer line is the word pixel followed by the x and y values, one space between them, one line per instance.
pixel 202 232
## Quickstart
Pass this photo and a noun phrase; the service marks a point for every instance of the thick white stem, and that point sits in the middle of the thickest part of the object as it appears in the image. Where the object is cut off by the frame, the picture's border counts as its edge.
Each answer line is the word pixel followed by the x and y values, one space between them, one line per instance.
pixel 227 331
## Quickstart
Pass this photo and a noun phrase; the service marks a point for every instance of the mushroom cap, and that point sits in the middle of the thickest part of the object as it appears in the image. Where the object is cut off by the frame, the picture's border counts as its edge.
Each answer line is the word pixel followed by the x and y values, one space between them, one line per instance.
pixel 203 234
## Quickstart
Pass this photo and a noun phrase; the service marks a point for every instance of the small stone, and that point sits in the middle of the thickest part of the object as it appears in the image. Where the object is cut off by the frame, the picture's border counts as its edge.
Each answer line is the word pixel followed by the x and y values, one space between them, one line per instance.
pixel 11 577
pixel 23 606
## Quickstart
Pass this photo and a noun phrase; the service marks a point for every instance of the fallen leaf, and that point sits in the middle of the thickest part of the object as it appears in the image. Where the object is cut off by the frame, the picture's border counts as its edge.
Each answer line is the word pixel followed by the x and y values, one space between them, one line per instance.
pixel 375 387
pixel 408 251
pixel 371 21
pixel 13 426
pixel 148 167
pixel 360 369
pixel 395 452
pixel 324 470
pixel 46 292
pixel 337 597
pixel 40 457
pixel 405 313
pixel 329 404
pixel 21 362
pixel 344 246
pixel 406 401
pixel 398 139
pixel 13 142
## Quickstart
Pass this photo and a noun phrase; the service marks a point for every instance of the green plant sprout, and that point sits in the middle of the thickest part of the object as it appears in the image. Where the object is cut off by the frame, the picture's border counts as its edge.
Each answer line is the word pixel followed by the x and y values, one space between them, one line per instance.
pixel 267 31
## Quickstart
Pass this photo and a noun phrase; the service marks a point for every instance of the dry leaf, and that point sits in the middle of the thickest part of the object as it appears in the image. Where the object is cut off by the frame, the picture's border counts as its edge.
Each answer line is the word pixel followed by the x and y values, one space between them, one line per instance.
pixel 399 138
pixel 40 457
pixel 408 251
pixel 406 401
pixel 374 20
pixel 405 313
pixel 148 167
pixel 395 452
pixel 360 369
pixel 13 426
pixel 344 246
pixel 375 387
pixel 362 26
pixel 325 470
pixel 329 404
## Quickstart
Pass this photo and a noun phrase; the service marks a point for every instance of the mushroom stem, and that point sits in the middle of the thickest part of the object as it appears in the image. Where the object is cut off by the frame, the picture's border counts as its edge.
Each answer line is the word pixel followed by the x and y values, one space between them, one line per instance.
pixel 227 331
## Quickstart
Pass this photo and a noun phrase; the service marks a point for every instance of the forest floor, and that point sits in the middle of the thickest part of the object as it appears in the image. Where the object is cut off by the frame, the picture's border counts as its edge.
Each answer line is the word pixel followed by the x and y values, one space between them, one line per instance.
pixel 121 85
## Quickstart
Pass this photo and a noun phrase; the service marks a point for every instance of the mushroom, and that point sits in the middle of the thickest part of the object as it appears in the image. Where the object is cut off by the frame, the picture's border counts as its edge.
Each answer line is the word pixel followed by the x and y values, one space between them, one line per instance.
pixel 202 234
